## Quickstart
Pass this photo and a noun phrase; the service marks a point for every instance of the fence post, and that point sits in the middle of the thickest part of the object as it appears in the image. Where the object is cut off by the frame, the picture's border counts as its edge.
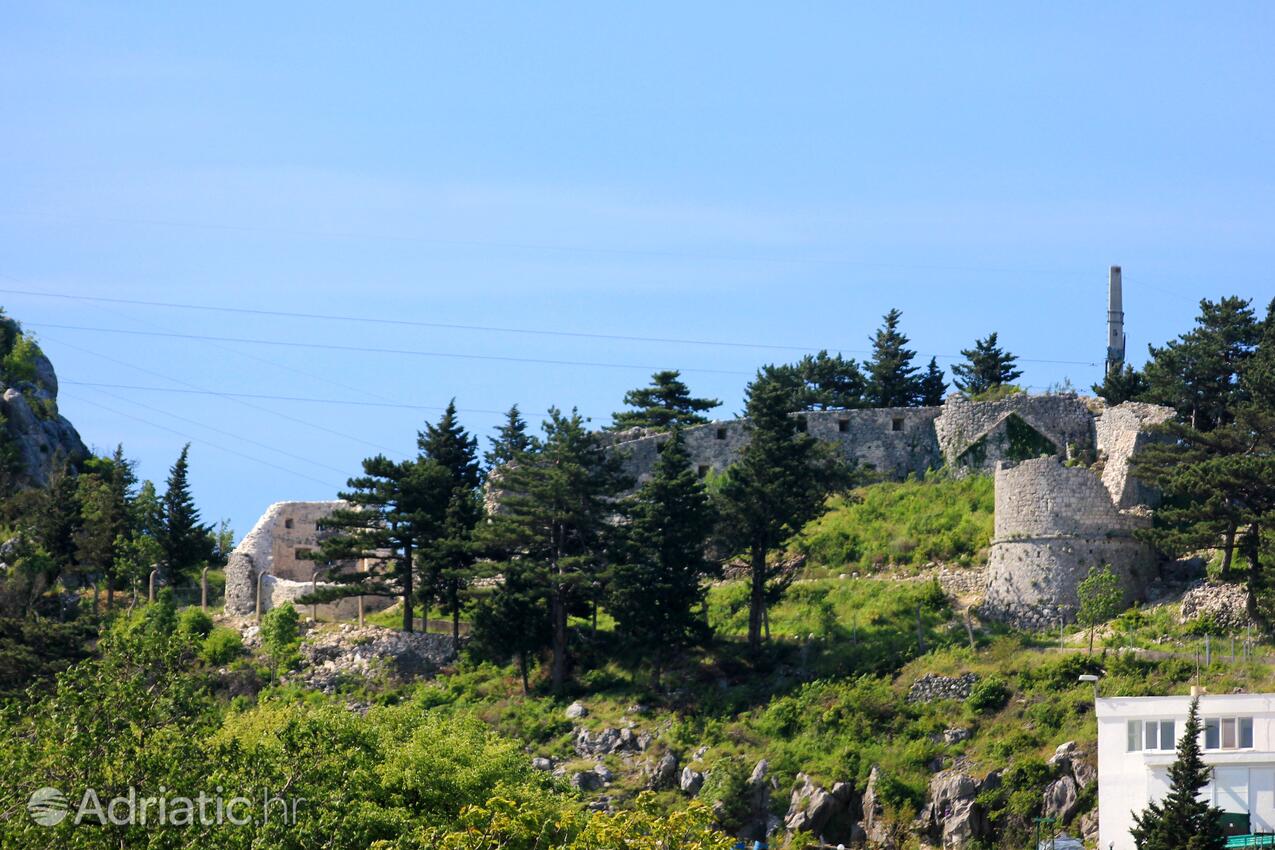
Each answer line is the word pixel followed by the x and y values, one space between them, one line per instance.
pixel 314 586
pixel 150 592
pixel 260 577
pixel 1232 649
pixel 1208 650
pixel 203 589
pixel 360 612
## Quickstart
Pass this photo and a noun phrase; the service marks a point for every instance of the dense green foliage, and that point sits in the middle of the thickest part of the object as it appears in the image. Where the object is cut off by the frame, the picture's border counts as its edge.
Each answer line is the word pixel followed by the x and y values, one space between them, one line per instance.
pixel 186 542
pixel 820 381
pixel 666 403
pixel 986 367
pixel 909 523
pixel 892 379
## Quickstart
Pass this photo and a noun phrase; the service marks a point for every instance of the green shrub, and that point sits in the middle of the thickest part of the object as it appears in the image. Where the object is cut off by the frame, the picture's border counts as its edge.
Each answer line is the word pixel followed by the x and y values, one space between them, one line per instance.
pixel 281 634
pixel 194 622
pixel 989 695
pixel 221 646
pixel 19 364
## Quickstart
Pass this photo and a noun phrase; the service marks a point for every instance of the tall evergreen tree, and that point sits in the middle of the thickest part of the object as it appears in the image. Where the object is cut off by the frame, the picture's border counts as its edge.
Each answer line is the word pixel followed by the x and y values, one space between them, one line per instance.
pixel 666 403
pixel 106 495
pixel 510 441
pixel 185 540
pixel 1182 821
pixel 388 521
pixel 515 619
pixel 553 520
pixel 656 594
pixel 933 387
pixel 57 519
pixel 820 381
pixel 1199 372
pixel 987 366
pixel 779 483
pixel 892 379
pixel 449 557
pixel 1127 384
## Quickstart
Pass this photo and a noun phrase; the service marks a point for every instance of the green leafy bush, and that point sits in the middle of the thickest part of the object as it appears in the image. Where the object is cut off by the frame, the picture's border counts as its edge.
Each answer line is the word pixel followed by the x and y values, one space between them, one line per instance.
pixel 194 622
pixel 989 695
pixel 221 646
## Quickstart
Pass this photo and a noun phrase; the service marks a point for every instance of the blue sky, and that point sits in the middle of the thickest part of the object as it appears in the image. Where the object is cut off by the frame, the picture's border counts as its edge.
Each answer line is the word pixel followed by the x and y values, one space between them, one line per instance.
pixel 776 174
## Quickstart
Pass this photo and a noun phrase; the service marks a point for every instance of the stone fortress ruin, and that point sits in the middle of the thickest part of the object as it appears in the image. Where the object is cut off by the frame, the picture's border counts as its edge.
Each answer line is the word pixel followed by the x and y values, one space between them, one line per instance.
pixel 1065 499
pixel 272 556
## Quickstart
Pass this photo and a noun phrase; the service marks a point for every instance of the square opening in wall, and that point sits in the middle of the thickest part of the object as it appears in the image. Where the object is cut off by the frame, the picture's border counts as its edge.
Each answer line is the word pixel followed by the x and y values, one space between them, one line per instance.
pixel 843 425
pixel 287 523
pixel 721 433
pixel 896 424
pixel 702 470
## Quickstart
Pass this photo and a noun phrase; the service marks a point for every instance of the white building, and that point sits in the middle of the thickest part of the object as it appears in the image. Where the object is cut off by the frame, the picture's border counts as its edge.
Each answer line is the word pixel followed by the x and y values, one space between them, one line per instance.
pixel 1137 740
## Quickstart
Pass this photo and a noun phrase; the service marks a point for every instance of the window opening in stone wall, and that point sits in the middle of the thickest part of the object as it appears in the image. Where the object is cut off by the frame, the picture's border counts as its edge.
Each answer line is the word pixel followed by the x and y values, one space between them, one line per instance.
pixel 721 433
pixel 843 425
pixel 896 424
pixel 287 523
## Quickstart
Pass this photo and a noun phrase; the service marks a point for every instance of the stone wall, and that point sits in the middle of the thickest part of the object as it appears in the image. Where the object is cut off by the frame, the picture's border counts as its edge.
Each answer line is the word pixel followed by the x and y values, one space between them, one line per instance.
pixel 976 435
pixel 1053 523
pixel 275 547
pixel 1122 431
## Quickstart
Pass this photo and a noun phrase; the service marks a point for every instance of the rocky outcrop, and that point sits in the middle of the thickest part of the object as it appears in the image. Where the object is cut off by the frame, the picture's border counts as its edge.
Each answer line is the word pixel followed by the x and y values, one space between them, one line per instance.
pixel 34 437
pixel 952 818
pixel 1226 605
pixel 333 656
pixel 823 813
pixel 1076 772
pixel 874 827
pixel 663 774
pixel 932 687
pixel 610 740
pixel 691 781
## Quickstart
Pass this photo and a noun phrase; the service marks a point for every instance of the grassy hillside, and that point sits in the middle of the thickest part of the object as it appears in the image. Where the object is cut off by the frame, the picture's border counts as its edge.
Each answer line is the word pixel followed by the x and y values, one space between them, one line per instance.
pixel 904 523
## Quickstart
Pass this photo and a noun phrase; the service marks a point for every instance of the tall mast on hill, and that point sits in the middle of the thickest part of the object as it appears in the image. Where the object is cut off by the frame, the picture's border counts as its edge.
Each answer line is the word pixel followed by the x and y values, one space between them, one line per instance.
pixel 1115 323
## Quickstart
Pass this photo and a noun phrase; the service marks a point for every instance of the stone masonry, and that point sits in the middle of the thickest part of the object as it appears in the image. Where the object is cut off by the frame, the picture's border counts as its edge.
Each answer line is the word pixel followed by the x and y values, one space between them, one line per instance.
pixel 276 546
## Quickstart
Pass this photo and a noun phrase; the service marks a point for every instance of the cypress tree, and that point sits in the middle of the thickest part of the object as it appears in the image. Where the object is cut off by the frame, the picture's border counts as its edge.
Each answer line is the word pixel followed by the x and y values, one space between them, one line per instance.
pixel 510 441
pixel 184 539
pixel 656 593
pixel 933 387
pixel 666 403
pixel 892 379
pixel 554 520
pixel 1127 384
pixel 779 483
pixel 987 366
pixel 1182 821
pixel 449 557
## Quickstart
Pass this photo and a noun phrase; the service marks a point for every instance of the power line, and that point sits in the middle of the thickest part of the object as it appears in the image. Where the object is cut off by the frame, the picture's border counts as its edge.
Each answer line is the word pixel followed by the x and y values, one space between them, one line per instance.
pixel 490 329
pixel 241 402
pixel 374 350
pixel 269 397
pixel 231 434
pixel 204 442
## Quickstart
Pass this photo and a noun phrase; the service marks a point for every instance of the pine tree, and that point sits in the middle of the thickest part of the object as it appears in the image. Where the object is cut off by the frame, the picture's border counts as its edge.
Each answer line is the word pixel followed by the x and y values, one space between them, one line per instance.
pixel 933 387
pixel 106 494
pixel 388 521
pixel 184 539
pixel 56 520
pixel 510 441
pixel 1127 384
pixel 1182 821
pixel 553 519
pixel 449 558
pixel 666 403
pixel 892 379
pixel 779 483
pixel 1199 372
pixel 515 619
pixel 986 367
pixel 656 593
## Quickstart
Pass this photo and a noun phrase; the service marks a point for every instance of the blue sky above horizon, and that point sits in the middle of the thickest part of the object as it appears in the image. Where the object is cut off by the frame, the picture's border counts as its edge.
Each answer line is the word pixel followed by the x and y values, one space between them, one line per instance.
pixel 747 173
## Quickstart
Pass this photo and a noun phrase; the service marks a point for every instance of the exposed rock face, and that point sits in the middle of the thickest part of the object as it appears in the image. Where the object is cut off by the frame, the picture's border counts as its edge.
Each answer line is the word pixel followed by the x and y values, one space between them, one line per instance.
pixel 1225 604
pixel 952 817
pixel 874 814
pixel 541 763
pixel 691 781
pixel 1061 799
pixel 664 774
pixel 36 436
pixel 587 780
pixel 813 809
pixel 610 740
pixel 331 656
pixel 932 686
pixel 576 710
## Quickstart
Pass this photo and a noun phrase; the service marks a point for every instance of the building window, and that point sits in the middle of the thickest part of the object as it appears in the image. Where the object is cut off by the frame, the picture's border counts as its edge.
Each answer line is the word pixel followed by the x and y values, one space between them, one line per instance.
pixel 702 471
pixel 1228 733
pixel 287 523
pixel 896 424
pixel 1151 735
pixel 721 433
pixel 843 425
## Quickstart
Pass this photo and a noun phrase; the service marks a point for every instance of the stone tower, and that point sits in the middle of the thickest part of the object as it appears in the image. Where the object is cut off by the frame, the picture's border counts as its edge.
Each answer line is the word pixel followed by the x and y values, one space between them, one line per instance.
pixel 1115 323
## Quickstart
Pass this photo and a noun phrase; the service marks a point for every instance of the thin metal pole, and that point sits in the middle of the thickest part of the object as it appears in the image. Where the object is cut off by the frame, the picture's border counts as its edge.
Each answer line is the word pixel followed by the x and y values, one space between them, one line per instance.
pixel 150 592
pixel 260 577
pixel 203 589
